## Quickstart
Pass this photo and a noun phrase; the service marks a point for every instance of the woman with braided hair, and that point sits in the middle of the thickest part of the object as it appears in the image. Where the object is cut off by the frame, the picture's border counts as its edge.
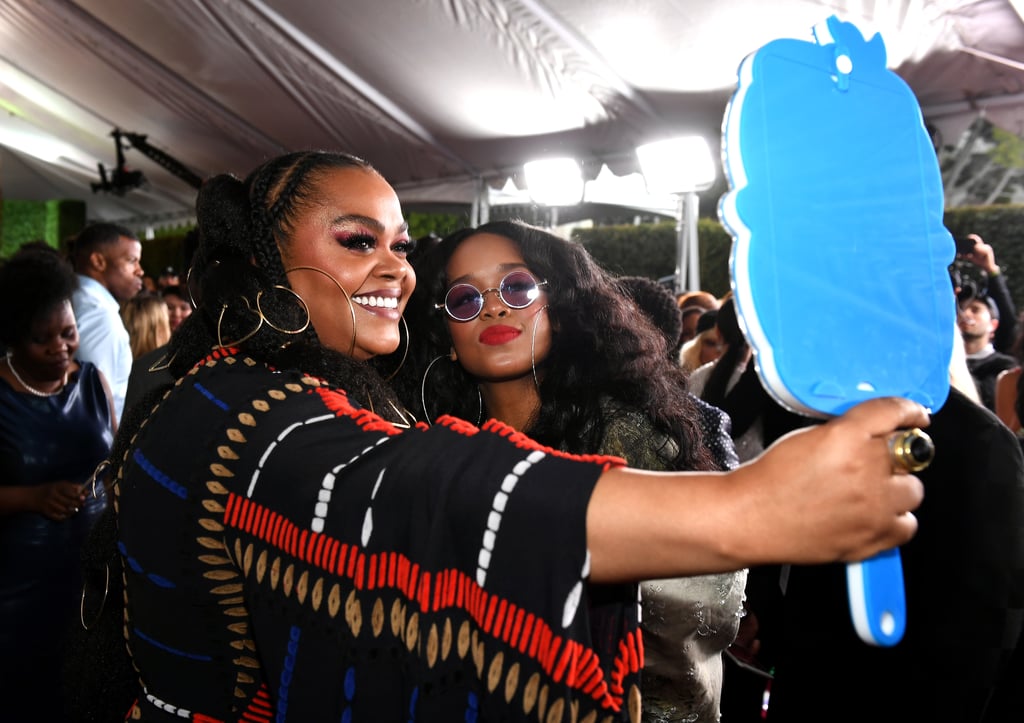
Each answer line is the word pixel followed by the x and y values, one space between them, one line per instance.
pixel 295 547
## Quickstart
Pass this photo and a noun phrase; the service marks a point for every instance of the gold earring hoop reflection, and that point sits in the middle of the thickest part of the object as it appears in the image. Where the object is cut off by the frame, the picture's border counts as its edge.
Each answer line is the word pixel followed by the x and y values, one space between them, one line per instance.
pixel 533 347
pixel 348 299
pixel 423 390
pixel 262 318
pixel 302 302
pixel 220 321
pixel 405 354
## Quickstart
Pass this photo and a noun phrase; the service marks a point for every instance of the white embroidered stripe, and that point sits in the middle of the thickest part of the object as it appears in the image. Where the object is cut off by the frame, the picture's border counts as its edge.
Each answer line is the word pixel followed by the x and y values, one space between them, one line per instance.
pixel 498 507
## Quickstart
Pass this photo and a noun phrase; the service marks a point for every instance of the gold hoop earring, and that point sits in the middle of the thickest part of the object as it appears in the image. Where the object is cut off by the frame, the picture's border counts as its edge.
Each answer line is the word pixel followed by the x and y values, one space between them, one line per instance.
pixel 264 317
pixel 103 601
pixel 97 474
pixel 423 391
pixel 188 287
pixel 236 342
pixel 533 346
pixel 408 343
pixel 348 299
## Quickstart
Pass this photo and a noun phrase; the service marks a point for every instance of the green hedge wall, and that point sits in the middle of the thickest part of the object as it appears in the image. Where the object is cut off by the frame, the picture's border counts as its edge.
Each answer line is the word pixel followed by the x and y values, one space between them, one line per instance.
pixel 50 221
pixel 642 250
pixel 650 249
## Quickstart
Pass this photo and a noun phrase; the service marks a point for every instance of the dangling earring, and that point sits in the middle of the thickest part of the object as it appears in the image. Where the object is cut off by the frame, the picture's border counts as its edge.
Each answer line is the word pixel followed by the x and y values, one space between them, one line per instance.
pixel 408 343
pixel 262 318
pixel 423 389
pixel 302 302
pixel 246 337
pixel 533 347
pixel 348 299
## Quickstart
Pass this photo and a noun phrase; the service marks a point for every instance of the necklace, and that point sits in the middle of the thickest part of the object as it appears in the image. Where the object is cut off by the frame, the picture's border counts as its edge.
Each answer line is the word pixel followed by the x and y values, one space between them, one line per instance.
pixel 33 390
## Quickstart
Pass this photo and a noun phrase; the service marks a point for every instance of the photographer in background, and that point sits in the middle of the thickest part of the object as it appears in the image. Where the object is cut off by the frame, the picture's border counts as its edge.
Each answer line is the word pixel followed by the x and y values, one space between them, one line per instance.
pixel 972 248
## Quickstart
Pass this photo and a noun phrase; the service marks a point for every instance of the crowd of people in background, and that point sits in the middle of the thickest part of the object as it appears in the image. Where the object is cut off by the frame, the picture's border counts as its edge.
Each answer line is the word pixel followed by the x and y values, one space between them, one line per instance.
pixel 508 322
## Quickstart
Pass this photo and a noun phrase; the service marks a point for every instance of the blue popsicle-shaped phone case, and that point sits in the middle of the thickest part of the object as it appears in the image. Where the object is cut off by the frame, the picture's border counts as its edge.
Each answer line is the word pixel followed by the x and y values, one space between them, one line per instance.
pixel 839 262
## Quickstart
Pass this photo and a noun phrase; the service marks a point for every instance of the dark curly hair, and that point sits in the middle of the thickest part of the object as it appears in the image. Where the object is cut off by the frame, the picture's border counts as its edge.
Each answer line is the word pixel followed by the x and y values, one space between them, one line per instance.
pixel 34 281
pixel 603 349
pixel 237 267
pixel 93 237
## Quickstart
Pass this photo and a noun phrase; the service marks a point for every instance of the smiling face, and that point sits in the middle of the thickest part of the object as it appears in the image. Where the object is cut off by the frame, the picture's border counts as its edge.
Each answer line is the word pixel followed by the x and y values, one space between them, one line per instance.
pixel 353 236
pixel 496 345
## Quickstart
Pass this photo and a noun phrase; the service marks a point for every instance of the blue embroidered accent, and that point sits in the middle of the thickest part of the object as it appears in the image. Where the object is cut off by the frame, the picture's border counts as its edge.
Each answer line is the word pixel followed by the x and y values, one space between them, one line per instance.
pixel 472 708
pixel 158 476
pixel 348 688
pixel 286 672
pixel 209 395
pixel 133 564
pixel 412 703
pixel 350 684
pixel 172 651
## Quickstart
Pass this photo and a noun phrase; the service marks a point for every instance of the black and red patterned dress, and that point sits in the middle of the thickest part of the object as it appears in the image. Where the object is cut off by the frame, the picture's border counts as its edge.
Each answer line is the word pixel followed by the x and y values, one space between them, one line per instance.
pixel 290 556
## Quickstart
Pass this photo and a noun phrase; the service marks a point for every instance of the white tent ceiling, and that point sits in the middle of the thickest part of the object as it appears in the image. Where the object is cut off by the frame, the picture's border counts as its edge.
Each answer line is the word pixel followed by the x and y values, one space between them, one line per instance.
pixel 441 96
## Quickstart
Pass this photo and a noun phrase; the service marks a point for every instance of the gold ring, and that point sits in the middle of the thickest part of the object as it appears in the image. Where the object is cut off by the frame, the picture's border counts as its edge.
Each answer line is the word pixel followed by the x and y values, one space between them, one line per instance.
pixel 911 449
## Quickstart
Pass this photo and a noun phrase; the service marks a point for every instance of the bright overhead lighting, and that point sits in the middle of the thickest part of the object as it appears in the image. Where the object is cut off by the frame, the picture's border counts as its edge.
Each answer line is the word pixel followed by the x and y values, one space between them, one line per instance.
pixel 37 144
pixel 677 165
pixel 554 181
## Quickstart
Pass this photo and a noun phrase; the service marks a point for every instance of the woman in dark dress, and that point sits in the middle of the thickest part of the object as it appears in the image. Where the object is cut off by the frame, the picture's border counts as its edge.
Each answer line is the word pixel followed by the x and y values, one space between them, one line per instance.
pixel 55 427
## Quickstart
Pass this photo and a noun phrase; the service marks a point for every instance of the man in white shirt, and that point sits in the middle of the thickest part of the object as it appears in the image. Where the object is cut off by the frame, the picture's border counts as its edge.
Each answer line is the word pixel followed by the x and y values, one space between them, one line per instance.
pixel 107 258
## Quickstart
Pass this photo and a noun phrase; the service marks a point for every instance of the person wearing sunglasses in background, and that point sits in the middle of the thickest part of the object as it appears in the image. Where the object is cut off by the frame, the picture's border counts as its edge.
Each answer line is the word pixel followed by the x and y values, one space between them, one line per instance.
pixel 520 325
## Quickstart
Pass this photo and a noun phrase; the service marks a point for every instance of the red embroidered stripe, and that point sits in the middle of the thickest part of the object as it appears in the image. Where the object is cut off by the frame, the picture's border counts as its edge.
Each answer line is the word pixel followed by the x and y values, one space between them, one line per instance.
pixel 495 615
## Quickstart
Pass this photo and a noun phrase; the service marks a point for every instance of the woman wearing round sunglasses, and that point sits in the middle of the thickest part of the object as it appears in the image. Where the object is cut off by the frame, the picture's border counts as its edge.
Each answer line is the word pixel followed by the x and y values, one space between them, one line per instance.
pixel 337 564
pixel 531 332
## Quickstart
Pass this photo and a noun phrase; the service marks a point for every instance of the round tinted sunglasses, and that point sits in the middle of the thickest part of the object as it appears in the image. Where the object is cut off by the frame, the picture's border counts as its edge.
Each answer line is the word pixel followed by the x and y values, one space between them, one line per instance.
pixel 517 290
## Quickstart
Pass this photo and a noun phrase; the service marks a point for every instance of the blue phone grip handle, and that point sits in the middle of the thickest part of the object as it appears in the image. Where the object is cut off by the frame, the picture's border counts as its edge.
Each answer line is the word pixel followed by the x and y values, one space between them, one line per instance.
pixel 878 605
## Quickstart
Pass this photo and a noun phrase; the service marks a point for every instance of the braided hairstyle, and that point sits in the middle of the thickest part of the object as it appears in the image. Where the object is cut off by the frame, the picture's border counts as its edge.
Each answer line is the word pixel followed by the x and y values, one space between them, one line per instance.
pixel 604 348
pixel 237 275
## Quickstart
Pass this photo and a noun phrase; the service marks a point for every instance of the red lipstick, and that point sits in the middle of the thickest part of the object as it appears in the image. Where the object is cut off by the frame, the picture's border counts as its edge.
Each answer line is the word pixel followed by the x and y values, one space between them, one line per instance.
pixel 499 334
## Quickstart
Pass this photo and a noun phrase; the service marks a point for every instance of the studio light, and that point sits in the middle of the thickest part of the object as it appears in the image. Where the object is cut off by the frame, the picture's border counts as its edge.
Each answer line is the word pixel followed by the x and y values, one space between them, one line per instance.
pixel 554 181
pixel 677 165
pixel 680 166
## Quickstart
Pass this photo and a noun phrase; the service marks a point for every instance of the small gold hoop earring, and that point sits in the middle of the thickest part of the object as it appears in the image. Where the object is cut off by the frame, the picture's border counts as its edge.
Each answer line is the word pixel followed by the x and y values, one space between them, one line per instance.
pixel 106 591
pixel 264 317
pixel 533 346
pixel 348 299
pixel 405 354
pixel 250 335
pixel 188 286
pixel 97 474
pixel 423 391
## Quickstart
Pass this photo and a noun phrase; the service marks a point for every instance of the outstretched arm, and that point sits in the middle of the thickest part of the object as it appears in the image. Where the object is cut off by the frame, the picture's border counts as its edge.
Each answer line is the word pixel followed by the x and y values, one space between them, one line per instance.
pixel 821 494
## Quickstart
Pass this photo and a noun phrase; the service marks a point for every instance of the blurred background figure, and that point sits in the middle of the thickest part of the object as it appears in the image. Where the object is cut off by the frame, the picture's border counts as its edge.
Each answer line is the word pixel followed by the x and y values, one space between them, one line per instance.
pixel 108 260
pixel 973 250
pixel 168 277
pixel 706 346
pixel 978 319
pixel 179 307
pixel 56 425
pixel 692 304
pixel 146 319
